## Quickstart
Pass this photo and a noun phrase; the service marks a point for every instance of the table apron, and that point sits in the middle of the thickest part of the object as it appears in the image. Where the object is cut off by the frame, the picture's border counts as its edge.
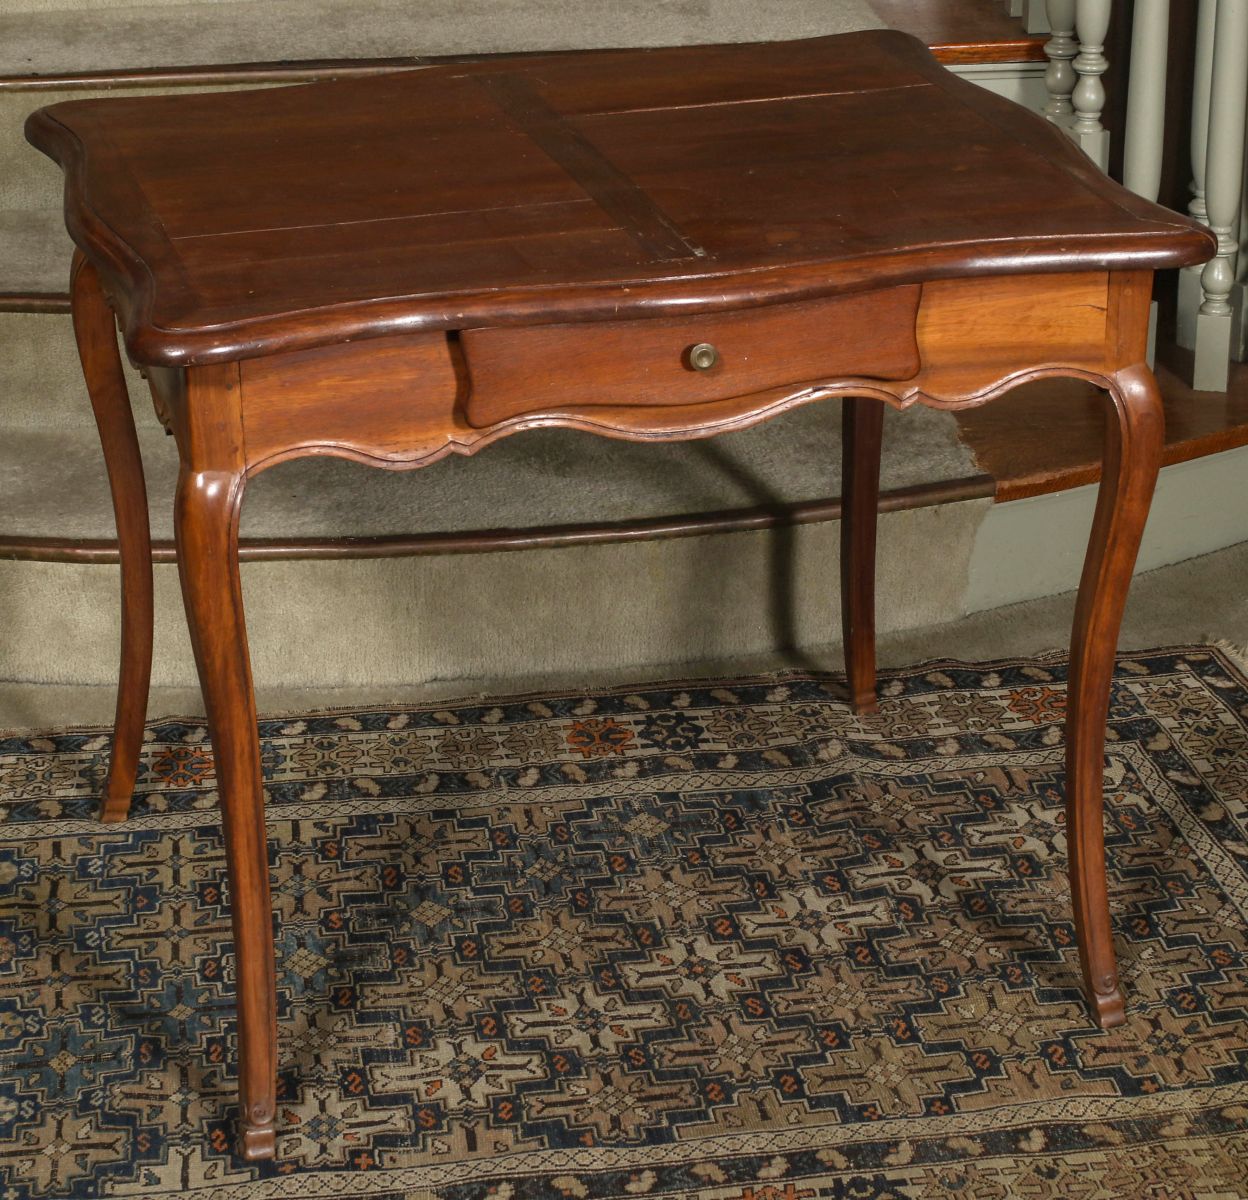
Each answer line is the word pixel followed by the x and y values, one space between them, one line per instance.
pixel 407 400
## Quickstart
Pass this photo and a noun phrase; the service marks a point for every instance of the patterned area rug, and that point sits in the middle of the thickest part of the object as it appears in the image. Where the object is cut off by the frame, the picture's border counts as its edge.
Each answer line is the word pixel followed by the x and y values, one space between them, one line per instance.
pixel 714 941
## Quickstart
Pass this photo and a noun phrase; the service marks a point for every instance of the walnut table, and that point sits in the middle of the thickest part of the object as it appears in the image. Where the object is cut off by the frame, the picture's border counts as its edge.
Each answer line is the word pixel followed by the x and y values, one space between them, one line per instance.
pixel 642 244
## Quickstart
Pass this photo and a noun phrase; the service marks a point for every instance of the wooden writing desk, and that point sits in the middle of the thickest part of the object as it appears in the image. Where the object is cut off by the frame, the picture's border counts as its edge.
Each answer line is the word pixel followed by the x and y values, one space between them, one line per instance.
pixel 641 244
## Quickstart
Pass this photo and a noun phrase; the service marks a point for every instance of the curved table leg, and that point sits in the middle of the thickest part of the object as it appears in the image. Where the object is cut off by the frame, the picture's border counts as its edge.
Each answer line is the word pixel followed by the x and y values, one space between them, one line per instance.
pixel 862 429
pixel 1133 445
pixel 106 384
pixel 206 513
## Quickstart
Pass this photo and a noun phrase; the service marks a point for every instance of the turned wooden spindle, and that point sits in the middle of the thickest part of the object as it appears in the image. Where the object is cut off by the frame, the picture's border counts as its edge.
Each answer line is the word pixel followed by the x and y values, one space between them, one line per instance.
pixel 1146 103
pixel 1146 113
pixel 1061 48
pixel 1190 292
pixel 1224 181
pixel 1088 98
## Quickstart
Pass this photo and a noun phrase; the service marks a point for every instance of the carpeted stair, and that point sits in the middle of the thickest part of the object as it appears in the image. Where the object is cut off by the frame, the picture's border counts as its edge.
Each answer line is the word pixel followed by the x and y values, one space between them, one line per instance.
pixel 51 37
pixel 406 621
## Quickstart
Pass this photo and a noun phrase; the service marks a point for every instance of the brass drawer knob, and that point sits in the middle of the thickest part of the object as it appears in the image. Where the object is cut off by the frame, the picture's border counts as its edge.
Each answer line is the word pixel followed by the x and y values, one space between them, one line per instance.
pixel 703 356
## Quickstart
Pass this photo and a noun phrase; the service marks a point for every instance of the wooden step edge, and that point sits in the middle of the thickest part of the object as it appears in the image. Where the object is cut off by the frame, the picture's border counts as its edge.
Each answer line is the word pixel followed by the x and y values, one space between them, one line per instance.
pixel 34 302
pixel 965 54
pixel 219 75
pixel 951 52
pixel 243 74
pixel 93 550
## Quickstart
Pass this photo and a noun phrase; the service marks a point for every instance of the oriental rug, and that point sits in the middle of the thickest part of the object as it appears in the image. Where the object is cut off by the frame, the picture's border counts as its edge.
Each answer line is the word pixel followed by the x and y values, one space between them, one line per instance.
pixel 707 940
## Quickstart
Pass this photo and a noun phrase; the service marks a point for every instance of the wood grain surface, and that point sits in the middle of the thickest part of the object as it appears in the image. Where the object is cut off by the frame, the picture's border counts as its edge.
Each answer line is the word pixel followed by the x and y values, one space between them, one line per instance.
pixel 403 267
pixel 519 371
pixel 586 187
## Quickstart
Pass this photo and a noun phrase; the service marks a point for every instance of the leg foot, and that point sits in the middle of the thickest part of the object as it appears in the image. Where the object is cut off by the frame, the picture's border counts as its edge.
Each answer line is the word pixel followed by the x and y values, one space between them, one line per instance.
pixel 1135 435
pixel 1109 1009
pixel 110 401
pixel 115 808
pixel 258 1142
pixel 862 430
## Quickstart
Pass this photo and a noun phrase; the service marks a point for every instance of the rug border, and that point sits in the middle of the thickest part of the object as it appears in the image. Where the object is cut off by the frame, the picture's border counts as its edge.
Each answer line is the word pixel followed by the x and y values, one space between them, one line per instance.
pixel 1221 651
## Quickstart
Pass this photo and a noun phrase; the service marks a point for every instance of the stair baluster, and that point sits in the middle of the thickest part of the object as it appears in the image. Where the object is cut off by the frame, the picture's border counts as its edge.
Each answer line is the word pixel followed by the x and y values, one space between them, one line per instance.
pixel 1036 18
pixel 1088 98
pixel 1146 105
pixel 1061 49
pixel 1224 181
pixel 1146 114
pixel 1190 291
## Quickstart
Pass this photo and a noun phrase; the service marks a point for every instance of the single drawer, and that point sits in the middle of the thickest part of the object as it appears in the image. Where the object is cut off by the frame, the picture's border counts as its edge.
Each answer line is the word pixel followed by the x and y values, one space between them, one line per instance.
pixel 673 362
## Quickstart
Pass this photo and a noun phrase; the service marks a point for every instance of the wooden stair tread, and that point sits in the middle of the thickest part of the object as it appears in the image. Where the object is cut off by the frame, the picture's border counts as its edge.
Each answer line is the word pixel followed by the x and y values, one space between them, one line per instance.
pixel 963 31
pixel 1046 436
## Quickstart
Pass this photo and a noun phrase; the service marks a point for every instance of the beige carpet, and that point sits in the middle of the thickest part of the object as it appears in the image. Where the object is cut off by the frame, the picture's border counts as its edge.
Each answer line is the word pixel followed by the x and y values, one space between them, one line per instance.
pixel 92 37
pixel 53 480
pixel 583 610
pixel 34 248
pixel 1201 600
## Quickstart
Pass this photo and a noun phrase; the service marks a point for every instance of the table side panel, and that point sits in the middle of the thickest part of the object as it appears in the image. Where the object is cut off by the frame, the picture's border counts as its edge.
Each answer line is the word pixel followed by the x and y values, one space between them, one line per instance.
pixel 975 333
pixel 394 401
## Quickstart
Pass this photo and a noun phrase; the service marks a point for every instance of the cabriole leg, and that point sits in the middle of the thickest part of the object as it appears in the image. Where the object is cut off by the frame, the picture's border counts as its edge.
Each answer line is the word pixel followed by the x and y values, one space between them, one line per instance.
pixel 206 513
pixel 1133 446
pixel 862 428
pixel 106 385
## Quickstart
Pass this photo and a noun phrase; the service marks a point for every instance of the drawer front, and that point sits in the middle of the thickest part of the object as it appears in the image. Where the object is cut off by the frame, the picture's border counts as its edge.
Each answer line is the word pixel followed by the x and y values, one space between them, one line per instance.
pixel 673 362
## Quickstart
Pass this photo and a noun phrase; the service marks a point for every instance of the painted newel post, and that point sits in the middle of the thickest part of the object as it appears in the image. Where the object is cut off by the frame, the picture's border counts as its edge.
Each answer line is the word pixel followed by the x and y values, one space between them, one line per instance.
pixel 1146 113
pixel 1191 294
pixel 1224 182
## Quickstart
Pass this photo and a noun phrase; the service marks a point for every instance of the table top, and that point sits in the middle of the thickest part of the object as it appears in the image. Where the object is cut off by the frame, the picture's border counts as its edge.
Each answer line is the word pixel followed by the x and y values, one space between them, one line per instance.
pixel 581 186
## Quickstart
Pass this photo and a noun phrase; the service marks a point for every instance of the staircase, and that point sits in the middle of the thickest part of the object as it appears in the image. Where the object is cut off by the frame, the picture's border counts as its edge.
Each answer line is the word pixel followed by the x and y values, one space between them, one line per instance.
pixel 635 558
